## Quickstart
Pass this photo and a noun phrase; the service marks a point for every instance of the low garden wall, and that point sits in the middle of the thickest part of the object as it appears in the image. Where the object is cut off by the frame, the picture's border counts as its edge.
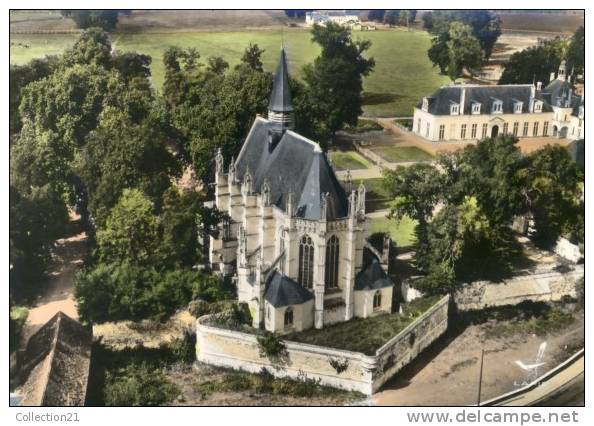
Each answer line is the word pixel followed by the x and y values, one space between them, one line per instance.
pixel 546 286
pixel 348 370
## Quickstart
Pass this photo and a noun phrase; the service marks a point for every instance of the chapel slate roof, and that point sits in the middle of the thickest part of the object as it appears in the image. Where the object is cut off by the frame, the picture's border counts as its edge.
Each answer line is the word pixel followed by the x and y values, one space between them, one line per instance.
pixel 294 164
pixel 56 364
pixel 280 99
pixel 441 100
pixel 283 291
pixel 372 276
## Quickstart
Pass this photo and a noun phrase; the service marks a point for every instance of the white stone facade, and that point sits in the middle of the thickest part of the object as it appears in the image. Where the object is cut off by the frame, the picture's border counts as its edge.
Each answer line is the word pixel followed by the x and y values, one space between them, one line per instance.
pixel 536 115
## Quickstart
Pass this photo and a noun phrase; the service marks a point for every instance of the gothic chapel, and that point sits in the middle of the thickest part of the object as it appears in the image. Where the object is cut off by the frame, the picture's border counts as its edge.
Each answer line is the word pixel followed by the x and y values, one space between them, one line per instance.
pixel 295 238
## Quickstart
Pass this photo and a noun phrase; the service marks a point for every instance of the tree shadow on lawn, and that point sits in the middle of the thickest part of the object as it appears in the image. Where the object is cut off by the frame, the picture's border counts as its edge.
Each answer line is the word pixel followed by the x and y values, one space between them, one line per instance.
pixel 375 98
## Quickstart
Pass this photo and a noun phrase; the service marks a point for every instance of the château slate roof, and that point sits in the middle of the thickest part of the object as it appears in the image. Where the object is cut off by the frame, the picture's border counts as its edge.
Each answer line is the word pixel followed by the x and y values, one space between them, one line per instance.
pixel 280 100
pixel 372 276
pixel 283 291
pixel 441 100
pixel 295 164
pixel 56 364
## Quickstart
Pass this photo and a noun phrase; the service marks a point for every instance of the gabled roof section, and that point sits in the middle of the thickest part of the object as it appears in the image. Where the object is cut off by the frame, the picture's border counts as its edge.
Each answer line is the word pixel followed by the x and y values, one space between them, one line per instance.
pixel 56 364
pixel 280 99
pixel 283 291
pixel 485 95
pixel 295 164
pixel 372 276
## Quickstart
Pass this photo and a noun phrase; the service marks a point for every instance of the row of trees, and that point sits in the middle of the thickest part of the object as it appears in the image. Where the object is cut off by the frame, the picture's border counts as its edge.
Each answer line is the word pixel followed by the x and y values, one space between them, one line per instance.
pixel 403 17
pixel 462 39
pixel 537 62
pixel 464 208
pixel 86 18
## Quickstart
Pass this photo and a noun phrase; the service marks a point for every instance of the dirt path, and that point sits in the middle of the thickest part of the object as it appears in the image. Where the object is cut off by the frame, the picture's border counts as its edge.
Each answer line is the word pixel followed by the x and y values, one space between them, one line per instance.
pixel 447 373
pixel 59 292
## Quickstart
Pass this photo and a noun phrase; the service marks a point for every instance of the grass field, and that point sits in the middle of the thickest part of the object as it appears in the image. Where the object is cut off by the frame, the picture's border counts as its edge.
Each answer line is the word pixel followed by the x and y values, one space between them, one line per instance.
pixel 350 160
pixel 402 75
pixel 395 154
pixel 402 231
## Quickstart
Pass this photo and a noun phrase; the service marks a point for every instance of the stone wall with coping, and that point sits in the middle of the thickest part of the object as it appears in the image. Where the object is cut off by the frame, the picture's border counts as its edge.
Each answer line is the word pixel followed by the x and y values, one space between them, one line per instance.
pixel 545 286
pixel 363 373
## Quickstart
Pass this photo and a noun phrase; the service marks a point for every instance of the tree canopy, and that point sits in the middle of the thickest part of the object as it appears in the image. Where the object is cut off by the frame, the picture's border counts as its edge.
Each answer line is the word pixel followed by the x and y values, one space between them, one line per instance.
pixel 335 79
pixel 464 208
pixel 536 63
pixel 462 39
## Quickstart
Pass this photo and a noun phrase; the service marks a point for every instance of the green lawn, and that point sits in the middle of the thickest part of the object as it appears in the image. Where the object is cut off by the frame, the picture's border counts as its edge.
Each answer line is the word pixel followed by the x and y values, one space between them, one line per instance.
pixel 376 196
pixel 401 231
pixel 401 154
pixel 402 75
pixel 350 160
pixel 365 335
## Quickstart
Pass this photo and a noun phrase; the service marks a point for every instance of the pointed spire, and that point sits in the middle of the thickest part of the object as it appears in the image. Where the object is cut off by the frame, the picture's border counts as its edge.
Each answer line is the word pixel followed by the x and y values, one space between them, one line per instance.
pixel 280 99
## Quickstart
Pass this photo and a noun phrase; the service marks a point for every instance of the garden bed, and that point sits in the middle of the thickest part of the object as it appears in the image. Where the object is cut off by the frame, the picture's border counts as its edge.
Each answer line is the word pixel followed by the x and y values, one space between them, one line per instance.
pixel 402 154
pixel 365 335
pixel 348 160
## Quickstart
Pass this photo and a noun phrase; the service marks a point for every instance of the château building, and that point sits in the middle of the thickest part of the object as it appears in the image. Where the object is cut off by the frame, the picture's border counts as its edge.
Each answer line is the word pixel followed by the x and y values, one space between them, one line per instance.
pixel 294 238
pixel 472 112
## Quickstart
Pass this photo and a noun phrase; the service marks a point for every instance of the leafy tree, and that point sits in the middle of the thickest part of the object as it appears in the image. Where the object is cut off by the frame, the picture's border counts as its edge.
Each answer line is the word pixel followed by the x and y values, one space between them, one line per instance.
pixel 534 63
pixel 464 50
pixel 128 150
pixel 392 17
pixel 376 15
pixel 486 26
pixel 37 218
pixel 553 192
pixel 91 48
pixel 491 171
pixel 185 221
pixel 138 386
pixel 335 79
pixel 199 98
pixel 577 50
pixel 456 50
pixel 131 230
pixel 217 65
pixel 20 76
pixel 104 19
pixel 132 65
pixel 252 57
pixel 123 291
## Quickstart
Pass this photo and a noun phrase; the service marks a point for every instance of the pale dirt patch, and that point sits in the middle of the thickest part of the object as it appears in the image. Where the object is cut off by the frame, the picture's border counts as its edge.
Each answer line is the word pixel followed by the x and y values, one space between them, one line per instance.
pixel 150 334
pixel 447 374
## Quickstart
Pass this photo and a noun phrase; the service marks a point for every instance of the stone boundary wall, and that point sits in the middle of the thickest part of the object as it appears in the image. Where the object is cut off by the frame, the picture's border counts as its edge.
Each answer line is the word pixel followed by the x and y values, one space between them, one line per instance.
pixel 546 286
pixel 362 373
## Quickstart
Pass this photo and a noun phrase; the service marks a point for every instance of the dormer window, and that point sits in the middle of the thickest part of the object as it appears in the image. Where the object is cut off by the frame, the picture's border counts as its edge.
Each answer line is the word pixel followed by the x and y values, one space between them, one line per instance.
pixel 425 104
pixel 538 106
pixel 518 107
pixel 454 109
pixel 476 108
pixel 497 107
